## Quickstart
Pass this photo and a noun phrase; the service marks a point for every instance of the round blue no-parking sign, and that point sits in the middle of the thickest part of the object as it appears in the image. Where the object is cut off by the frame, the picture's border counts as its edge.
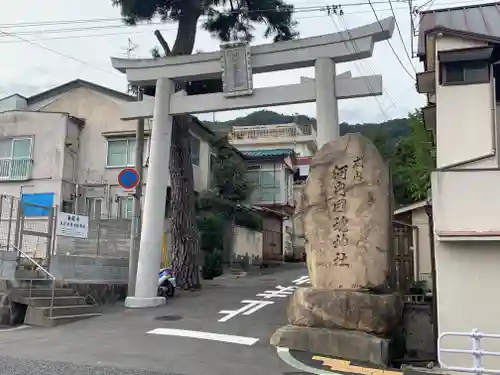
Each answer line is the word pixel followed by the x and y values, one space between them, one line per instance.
pixel 128 178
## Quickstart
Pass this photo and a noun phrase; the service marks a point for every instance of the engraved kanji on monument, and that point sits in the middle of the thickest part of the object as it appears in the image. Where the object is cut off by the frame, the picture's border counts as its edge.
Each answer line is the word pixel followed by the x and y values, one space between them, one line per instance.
pixel 345 211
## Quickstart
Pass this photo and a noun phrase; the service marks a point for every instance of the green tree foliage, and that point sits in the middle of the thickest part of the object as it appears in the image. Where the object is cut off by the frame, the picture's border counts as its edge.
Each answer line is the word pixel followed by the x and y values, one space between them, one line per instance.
pixel 412 163
pixel 227 20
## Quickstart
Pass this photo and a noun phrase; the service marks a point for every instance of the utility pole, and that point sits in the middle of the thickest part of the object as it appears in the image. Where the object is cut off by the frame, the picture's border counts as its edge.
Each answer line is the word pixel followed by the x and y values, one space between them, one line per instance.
pixel 135 238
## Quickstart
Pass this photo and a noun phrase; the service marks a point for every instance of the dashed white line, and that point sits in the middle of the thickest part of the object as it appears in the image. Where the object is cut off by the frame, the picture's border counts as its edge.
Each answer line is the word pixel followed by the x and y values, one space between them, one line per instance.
pixel 241 340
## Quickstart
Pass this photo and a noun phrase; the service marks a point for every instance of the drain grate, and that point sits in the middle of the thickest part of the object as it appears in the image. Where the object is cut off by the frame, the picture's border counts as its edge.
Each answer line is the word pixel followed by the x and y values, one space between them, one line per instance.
pixel 169 318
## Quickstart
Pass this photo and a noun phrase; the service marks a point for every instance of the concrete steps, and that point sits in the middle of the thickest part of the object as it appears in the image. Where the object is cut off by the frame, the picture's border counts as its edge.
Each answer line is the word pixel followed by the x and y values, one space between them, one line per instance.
pixel 41 317
pixel 47 304
pixel 67 307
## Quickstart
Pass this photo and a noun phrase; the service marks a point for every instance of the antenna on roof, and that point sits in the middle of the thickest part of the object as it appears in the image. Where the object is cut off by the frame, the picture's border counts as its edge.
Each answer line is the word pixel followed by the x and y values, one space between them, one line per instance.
pixel 131 47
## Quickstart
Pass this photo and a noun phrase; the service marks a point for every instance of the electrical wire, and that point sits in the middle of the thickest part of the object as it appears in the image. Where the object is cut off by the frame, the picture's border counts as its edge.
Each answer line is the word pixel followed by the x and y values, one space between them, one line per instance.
pixel 390 44
pixel 60 53
pixel 401 37
pixel 356 48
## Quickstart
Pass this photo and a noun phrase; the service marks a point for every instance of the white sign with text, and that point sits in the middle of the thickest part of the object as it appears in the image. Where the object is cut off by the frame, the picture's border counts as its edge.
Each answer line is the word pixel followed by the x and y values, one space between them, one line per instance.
pixel 70 225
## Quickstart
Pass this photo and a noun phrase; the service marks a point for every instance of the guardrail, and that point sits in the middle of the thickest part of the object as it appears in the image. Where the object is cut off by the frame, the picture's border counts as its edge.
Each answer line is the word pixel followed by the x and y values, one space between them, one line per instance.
pixel 476 352
pixel 47 273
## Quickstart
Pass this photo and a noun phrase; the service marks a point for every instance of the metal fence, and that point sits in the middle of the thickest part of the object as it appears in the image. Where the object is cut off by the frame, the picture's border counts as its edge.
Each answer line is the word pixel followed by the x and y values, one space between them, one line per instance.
pixel 27 226
pixel 476 352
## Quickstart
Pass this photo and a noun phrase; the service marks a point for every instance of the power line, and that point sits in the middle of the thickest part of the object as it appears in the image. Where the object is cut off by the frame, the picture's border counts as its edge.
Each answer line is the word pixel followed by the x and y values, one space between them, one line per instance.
pixel 59 53
pixel 390 44
pixel 401 37
pixel 310 8
pixel 384 113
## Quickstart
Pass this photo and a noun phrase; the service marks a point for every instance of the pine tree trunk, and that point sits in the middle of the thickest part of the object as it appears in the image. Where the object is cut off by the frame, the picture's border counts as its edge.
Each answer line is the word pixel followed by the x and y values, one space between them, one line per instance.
pixel 185 237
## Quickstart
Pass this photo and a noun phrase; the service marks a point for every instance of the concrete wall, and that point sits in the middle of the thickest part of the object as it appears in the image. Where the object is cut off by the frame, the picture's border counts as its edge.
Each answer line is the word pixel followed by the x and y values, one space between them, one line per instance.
pixel 247 245
pixel 423 245
pixel 419 337
pixel 107 238
pixel 89 269
pixel 8 264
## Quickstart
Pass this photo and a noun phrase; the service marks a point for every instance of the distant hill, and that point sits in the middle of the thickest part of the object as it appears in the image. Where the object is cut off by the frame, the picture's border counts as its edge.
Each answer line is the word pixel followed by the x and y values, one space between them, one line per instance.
pixel 390 131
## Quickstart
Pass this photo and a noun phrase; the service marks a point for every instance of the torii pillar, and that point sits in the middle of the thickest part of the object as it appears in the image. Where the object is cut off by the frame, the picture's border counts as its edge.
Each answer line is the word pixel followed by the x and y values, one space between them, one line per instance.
pixel 327 111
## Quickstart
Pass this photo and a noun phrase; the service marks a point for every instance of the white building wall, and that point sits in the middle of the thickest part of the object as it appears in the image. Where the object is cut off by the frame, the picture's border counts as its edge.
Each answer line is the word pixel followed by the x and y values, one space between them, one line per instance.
pixel 466 220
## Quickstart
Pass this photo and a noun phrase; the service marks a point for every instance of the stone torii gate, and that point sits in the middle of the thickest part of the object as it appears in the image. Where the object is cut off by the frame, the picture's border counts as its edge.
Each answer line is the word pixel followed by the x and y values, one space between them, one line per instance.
pixel 236 63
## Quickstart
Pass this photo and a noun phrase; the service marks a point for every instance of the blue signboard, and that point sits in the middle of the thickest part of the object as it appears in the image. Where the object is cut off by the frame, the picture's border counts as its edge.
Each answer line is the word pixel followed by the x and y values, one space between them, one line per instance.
pixel 37 204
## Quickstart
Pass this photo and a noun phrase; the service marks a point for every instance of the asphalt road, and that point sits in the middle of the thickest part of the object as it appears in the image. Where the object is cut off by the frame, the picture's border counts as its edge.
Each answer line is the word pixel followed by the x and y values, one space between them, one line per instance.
pixel 126 342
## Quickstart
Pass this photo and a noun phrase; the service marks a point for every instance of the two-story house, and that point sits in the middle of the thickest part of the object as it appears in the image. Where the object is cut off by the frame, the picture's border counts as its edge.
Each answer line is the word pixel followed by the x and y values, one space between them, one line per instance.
pixel 65 147
pixel 460 49
pixel 287 148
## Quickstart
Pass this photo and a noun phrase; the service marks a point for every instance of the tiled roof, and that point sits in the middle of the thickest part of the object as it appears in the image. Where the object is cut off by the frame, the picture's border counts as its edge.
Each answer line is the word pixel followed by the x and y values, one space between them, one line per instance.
pixel 268 153
pixel 482 21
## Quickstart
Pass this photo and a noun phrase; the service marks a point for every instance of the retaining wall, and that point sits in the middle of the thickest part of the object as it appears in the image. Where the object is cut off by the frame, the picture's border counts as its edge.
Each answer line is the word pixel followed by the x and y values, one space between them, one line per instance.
pixel 83 269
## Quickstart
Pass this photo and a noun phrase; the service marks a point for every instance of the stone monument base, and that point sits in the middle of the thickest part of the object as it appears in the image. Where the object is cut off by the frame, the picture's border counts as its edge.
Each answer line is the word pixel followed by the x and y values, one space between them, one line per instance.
pixel 340 343
pixel 371 313
pixel 349 325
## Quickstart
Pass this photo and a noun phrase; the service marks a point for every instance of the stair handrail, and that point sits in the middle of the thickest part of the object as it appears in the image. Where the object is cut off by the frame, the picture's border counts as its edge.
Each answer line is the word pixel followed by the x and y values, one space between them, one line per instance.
pixel 47 273
pixel 38 266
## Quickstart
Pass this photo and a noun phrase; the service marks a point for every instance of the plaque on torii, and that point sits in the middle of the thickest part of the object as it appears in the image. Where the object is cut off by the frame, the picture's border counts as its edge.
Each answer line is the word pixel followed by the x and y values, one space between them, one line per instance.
pixel 236 67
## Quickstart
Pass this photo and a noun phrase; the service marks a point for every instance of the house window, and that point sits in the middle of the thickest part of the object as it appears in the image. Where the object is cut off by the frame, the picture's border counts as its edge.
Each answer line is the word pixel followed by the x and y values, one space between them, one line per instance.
pixel 121 153
pixel 266 185
pixel 465 72
pixel 93 207
pixel 125 206
pixel 195 151
pixel 15 158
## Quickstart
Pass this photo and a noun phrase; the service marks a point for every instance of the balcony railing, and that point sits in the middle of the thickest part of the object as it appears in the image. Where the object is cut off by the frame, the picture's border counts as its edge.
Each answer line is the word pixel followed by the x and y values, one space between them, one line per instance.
pixel 15 169
pixel 273 132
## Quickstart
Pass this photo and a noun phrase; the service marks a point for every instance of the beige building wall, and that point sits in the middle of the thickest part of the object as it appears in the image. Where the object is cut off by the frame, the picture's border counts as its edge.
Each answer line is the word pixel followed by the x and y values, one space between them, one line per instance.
pixel 47 133
pixel 102 122
pixel 423 245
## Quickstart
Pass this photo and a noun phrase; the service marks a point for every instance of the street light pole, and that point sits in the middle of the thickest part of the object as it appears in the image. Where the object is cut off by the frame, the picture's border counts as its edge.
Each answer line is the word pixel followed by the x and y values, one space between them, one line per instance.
pixel 135 238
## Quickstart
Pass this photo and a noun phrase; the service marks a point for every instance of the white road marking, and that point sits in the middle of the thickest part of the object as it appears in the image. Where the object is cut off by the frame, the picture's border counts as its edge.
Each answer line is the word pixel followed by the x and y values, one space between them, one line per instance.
pixel 249 308
pixel 252 306
pixel 302 280
pixel 280 292
pixel 241 340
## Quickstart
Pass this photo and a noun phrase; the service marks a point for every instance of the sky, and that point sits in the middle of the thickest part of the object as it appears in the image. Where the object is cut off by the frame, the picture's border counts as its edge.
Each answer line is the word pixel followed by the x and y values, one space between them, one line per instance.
pixel 60 40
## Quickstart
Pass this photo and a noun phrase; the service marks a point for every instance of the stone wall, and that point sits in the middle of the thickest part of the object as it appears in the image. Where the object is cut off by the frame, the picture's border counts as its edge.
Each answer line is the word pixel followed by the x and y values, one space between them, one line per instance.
pixel 89 269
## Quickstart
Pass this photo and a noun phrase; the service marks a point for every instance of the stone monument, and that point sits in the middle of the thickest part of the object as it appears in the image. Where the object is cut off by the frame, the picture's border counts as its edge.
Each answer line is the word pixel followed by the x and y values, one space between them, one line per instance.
pixel 345 209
